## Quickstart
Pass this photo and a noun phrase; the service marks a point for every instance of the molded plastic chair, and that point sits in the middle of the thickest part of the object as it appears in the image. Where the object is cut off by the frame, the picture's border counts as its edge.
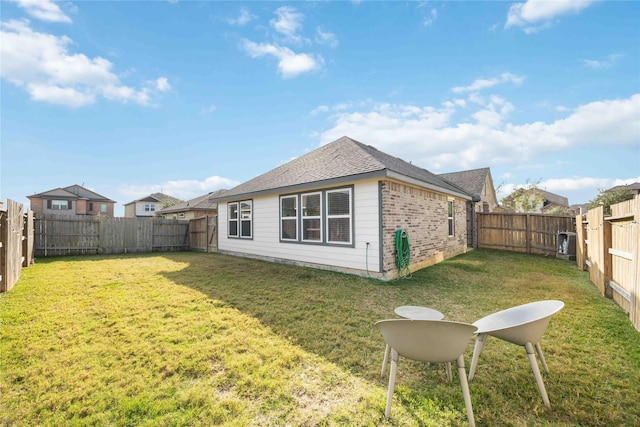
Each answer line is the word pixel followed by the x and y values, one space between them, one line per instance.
pixel 436 341
pixel 415 312
pixel 522 325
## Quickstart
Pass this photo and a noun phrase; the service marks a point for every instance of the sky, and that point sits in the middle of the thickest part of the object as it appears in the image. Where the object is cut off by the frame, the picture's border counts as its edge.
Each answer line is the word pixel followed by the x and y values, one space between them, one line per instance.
pixel 129 98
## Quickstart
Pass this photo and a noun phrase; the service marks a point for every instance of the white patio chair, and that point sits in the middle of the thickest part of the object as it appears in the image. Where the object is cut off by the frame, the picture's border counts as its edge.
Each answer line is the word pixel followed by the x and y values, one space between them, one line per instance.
pixel 521 325
pixel 435 341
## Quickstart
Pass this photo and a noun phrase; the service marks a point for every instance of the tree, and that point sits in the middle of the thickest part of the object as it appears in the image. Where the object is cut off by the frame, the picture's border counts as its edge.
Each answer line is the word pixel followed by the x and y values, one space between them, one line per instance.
pixel 528 198
pixel 609 197
pixel 560 210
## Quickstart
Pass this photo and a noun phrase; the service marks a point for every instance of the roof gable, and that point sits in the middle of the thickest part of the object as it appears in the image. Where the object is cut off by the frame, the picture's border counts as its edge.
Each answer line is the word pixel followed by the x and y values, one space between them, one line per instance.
pixel 73 192
pixel 340 159
pixel 471 181
pixel 205 202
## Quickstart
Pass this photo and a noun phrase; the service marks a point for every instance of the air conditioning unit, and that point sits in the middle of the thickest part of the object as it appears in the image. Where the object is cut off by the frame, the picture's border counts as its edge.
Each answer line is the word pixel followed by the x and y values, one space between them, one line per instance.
pixel 566 245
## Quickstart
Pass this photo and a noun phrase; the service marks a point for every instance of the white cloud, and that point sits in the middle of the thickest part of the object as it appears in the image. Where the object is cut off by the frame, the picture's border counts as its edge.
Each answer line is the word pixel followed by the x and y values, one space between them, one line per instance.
pixel 429 136
pixel 42 64
pixel 288 23
pixel 243 18
pixel 608 62
pixel 290 64
pixel 480 84
pixel 181 189
pixel 209 110
pixel 45 10
pixel 326 38
pixel 162 84
pixel 542 12
pixel 431 18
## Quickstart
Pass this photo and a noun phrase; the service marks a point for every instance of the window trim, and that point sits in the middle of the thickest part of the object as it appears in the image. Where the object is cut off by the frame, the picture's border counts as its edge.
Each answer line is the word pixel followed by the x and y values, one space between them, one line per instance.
pixel 295 197
pixel 311 217
pixel 451 218
pixel 341 216
pixel 324 239
pixel 239 220
pixel 57 205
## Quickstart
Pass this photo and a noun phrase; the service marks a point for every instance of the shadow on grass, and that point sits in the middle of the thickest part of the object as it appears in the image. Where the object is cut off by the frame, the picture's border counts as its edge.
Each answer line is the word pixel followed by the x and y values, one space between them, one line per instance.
pixel 332 315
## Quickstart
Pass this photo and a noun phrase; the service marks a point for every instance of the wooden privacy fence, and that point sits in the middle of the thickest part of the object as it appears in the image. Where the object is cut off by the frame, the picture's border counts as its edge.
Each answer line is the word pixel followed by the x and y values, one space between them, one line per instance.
pixel 203 233
pixel 16 243
pixel 608 248
pixel 79 234
pixel 522 232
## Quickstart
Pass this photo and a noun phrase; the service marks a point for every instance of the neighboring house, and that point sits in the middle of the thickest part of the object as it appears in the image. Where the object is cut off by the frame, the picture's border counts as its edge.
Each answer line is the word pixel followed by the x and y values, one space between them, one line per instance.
pixel 552 200
pixel 539 201
pixel 341 208
pixel 148 206
pixel 72 200
pixel 479 184
pixel 633 188
pixel 194 208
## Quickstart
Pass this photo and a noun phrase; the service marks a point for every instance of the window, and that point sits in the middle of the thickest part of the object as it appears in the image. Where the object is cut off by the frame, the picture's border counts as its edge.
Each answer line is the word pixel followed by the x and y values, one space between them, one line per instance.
pixel 312 217
pixel 240 218
pixel 339 216
pixel 149 207
pixel 324 217
pixel 233 219
pixel 59 205
pixel 103 207
pixel 450 217
pixel 90 207
pixel 289 218
pixel 245 219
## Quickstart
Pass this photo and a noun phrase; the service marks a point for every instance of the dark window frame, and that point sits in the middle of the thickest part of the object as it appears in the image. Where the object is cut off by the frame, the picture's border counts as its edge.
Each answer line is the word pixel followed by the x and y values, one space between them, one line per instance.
pixel 243 216
pixel 324 217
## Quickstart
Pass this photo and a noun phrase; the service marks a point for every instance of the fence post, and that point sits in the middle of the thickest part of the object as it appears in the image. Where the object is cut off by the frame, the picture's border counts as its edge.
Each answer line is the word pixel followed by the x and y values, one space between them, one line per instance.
pixel 634 306
pixel 4 223
pixel 607 257
pixel 527 221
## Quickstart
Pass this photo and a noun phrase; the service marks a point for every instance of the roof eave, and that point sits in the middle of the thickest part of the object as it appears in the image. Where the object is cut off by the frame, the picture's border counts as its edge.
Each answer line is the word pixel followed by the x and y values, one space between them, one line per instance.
pixel 341 180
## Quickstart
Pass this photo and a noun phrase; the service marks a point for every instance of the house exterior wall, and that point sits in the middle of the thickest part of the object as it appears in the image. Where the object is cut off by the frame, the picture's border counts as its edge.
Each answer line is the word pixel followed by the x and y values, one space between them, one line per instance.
pixel 191 214
pixel 357 259
pixel 380 208
pixel 78 207
pixel 81 207
pixel 424 214
pixel 136 209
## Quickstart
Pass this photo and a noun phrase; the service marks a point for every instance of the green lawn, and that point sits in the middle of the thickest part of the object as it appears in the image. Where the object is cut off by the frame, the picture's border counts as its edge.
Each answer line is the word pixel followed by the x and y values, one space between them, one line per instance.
pixel 186 339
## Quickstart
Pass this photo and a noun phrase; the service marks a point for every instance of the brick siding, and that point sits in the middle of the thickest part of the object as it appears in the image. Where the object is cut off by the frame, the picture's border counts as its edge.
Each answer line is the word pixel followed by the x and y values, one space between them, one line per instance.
pixel 423 213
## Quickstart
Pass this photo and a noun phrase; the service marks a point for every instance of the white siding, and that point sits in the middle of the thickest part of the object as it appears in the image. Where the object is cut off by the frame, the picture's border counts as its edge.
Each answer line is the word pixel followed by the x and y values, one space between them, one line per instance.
pixel 266 242
pixel 140 208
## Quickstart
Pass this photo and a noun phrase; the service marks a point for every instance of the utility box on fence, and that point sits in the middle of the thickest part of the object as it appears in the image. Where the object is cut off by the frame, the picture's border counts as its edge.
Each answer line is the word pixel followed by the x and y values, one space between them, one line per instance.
pixel 566 245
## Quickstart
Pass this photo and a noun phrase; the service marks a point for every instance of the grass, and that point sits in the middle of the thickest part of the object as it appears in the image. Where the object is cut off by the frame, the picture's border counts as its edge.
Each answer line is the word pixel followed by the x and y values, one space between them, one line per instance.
pixel 189 339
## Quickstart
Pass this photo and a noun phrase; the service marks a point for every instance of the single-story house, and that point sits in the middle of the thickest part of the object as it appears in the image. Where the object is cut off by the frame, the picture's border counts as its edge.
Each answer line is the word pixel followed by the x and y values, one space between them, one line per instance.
pixel 479 184
pixel 149 205
pixel 539 201
pixel 344 207
pixel 194 208
pixel 71 200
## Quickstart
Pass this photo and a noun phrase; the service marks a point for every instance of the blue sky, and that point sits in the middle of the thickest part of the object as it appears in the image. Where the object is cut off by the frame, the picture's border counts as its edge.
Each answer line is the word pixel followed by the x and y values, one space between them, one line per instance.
pixel 187 97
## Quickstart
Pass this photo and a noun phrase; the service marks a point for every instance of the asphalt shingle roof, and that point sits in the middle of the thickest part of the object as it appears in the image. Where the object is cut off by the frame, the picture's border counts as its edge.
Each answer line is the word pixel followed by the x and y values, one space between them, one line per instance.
pixel 205 202
pixel 472 181
pixel 337 160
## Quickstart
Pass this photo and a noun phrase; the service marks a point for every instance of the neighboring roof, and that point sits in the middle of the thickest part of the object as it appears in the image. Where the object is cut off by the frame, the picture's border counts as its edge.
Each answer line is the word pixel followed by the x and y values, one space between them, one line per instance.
pixel 341 160
pixel 156 198
pixel 472 181
pixel 555 198
pixel 635 187
pixel 202 203
pixel 72 192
